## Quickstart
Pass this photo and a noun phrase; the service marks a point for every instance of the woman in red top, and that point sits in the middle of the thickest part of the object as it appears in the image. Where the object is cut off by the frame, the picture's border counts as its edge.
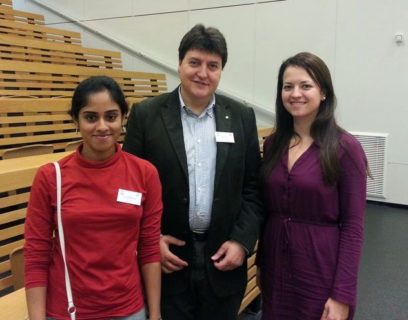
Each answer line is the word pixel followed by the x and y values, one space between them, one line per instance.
pixel 111 210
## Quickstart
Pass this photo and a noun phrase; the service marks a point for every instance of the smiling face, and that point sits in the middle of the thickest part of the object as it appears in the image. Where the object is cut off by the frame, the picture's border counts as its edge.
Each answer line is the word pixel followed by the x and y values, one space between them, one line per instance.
pixel 100 124
pixel 200 74
pixel 301 95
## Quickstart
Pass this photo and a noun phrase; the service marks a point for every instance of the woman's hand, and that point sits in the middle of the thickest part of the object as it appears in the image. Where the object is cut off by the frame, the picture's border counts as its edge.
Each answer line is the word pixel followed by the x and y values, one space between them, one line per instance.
pixel 335 310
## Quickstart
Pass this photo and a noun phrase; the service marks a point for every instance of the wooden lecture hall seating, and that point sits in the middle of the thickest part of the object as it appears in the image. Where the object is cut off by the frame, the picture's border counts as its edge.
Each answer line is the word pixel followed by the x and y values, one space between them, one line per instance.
pixel 33 31
pixel 29 150
pixel 45 121
pixel 16 177
pixel 32 50
pixel 44 80
pixel 40 67
pixel 8 13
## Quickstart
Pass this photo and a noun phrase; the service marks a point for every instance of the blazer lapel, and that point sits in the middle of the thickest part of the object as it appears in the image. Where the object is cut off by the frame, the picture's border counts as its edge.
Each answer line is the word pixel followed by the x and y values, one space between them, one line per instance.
pixel 223 124
pixel 172 121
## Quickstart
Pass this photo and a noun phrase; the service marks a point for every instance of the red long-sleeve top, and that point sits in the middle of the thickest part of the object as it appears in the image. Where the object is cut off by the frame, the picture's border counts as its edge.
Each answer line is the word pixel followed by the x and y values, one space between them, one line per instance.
pixel 106 240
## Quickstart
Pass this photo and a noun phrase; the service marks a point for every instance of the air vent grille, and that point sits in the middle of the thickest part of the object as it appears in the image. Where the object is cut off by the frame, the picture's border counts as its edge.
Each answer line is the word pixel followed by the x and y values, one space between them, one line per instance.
pixel 375 147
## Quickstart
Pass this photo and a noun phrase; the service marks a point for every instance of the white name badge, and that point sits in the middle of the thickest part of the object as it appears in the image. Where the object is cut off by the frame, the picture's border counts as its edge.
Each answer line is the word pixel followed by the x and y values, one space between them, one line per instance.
pixel 131 197
pixel 227 137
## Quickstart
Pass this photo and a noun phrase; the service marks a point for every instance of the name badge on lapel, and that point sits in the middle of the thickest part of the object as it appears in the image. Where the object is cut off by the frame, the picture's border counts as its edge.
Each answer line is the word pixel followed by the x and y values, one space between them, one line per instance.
pixel 226 137
pixel 130 197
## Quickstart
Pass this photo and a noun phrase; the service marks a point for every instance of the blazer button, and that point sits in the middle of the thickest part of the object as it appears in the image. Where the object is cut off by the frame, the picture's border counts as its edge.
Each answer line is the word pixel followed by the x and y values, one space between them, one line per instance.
pixel 185 200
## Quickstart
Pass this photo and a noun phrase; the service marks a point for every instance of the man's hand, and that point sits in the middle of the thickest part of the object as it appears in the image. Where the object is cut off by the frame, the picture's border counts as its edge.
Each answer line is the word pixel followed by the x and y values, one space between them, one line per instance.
pixel 229 256
pixel 169 261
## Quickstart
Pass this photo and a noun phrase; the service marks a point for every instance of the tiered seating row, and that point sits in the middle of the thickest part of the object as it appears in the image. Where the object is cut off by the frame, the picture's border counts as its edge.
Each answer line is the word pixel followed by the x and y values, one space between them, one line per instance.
pixel 33 121
pixel 32 50
pixel 8 13
pixel 39 80
pixel 39 32
pixel 37 121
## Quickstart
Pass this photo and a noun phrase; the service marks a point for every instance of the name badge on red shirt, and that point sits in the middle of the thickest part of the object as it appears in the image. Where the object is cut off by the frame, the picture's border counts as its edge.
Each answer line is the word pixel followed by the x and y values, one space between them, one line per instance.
pixel 131 197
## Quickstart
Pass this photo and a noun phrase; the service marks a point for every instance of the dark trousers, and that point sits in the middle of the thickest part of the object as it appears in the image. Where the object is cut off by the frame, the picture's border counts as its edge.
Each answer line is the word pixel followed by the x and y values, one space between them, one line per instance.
pixel 199 301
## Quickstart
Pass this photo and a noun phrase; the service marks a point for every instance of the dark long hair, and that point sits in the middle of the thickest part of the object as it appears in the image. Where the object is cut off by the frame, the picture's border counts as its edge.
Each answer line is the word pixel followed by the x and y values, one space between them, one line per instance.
pixel 324 129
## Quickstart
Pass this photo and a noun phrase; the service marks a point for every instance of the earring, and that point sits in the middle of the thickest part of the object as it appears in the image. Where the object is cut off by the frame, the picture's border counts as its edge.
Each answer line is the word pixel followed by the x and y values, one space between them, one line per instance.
pixel 324 98
pixel 76 130
pixel 123 129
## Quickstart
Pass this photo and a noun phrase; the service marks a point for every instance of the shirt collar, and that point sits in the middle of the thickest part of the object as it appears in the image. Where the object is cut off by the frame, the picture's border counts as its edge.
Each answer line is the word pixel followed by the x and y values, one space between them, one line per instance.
pixel 209 110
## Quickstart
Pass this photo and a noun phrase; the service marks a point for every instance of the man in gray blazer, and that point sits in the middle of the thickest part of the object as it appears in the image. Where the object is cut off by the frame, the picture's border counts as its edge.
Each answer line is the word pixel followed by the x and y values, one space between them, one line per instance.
pixel 205 147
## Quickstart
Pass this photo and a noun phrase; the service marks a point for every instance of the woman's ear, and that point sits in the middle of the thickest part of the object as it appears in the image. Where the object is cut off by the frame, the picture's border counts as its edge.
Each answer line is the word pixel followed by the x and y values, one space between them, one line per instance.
pixel 76 123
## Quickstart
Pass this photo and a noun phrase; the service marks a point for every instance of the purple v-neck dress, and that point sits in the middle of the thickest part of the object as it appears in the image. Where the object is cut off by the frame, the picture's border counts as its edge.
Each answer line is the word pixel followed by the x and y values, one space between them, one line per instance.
pixel 312 239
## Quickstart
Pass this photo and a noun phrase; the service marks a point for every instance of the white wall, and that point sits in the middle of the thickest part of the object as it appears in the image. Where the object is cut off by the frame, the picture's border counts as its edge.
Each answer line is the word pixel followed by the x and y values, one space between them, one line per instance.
pixel 372 80
pixel 355 38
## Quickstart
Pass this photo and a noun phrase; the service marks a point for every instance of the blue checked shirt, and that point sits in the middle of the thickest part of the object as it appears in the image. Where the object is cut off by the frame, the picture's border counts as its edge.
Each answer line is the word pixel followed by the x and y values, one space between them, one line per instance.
pixel 201 150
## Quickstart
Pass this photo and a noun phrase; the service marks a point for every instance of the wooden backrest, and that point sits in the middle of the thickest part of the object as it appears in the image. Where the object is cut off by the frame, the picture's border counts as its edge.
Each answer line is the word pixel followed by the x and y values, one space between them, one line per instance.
pixel 29 79
pixel 73 145
pixel 30 150
pixel 26 122
pixel 16 177
pixel 252 290
pixel 8 13
pixel 263 133
pixel 6 3
pixel 35 121
pixel 39 32
pixel 17 267
pixel 25 49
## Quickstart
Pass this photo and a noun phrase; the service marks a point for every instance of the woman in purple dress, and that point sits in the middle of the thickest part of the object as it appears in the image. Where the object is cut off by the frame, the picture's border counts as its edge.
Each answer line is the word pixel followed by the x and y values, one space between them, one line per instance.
pixel 314 178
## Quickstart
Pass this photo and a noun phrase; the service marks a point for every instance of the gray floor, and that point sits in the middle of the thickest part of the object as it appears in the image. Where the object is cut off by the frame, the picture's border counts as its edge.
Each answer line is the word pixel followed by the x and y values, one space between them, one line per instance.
pixel 383 279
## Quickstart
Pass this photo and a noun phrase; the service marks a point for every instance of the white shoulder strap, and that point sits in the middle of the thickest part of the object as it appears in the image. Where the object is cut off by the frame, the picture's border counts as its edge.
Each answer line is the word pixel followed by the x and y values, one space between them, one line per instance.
pixel 71 306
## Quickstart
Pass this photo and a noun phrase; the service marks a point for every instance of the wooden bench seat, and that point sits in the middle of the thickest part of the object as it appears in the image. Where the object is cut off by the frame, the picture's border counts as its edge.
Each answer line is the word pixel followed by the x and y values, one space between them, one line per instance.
pixel 39 80
pixel 39 32
pixel 28 150
pixel 8 13
pixel 31 50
